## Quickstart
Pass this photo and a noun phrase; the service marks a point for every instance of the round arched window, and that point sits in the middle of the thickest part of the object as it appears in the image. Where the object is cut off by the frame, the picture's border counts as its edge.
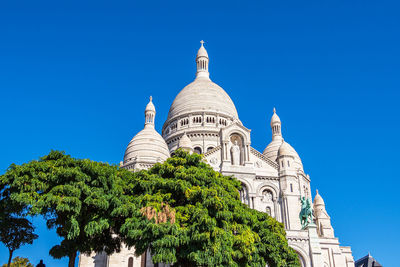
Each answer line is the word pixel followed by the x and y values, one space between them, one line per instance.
pixel 197 150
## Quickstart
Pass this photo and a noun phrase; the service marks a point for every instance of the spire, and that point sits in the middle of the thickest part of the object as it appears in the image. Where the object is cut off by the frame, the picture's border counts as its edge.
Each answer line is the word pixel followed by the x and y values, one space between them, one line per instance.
pixel 276 126
pixel 149 113
pixel 202 62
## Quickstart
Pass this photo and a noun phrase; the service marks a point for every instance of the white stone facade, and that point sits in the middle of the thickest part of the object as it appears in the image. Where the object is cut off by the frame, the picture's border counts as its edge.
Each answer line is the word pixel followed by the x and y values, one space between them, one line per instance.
pixel 203 119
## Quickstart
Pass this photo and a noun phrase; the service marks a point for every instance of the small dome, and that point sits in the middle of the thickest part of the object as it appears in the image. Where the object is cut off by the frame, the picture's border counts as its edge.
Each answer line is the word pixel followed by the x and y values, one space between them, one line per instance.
pixel 278 147
pixel 318 200
pixel 147 146
pixel 275 118
pixel 184 142
pixel 150 106
pixel 286 150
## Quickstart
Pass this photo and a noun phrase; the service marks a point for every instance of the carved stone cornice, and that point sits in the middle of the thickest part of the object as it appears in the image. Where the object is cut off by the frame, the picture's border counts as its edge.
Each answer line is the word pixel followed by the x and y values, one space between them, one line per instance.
pixel 274 178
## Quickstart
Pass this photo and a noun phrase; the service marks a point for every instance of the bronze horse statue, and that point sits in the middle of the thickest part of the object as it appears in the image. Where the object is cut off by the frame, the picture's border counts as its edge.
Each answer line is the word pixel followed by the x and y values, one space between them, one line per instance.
pixel 306 212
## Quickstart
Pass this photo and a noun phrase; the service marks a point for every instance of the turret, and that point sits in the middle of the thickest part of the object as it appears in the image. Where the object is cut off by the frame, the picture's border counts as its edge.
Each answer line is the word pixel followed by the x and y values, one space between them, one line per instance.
pixel 322 218
pixel 276 127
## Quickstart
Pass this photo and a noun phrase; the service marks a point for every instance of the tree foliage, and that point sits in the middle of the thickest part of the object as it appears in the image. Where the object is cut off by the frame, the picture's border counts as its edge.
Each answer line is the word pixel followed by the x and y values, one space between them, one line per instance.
pixel 209 226
pixel 19 262
pixel 15 232
pixel 182 210
pixel 76 196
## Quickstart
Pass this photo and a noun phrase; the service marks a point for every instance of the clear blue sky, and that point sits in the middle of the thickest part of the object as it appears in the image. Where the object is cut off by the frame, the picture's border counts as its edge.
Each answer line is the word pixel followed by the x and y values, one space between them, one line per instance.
pixel 76 77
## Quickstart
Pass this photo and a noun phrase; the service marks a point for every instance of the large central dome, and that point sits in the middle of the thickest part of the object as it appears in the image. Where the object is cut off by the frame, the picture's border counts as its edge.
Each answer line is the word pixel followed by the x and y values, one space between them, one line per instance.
pixel 199 111
pixel 202 95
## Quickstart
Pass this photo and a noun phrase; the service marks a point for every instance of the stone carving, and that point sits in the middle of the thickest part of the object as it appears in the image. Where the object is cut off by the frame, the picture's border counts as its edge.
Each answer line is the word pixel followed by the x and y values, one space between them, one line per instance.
pixel 235 153
pixel 214 161
pixel 306 212
pixel 267 196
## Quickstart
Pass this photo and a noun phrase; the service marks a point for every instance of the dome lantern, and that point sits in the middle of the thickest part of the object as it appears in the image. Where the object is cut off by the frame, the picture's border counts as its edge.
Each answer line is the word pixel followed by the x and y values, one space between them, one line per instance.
pixel 150 114
pixel 276 126
pixel 202 62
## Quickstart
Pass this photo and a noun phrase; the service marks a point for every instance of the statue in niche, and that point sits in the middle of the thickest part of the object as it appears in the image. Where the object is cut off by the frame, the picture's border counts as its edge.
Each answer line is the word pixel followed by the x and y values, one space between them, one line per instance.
pixel 267 196
pixel 235 153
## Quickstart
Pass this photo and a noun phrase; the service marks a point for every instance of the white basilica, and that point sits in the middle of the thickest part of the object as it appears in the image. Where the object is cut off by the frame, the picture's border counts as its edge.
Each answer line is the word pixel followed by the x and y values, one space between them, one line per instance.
pixel 204 120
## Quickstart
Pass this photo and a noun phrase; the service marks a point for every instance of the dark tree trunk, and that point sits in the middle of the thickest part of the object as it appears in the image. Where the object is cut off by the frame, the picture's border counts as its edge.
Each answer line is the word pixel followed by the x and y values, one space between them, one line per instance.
pixel 71 262
pixel 10 257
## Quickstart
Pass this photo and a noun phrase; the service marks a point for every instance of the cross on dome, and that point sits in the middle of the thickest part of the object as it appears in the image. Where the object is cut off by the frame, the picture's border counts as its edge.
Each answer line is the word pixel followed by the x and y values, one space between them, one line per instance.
pixel 202 42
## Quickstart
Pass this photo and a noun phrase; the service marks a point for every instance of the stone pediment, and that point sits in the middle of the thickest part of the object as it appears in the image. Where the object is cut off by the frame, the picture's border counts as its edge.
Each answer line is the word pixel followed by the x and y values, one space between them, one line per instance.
pixel 236 126
pixel 263 158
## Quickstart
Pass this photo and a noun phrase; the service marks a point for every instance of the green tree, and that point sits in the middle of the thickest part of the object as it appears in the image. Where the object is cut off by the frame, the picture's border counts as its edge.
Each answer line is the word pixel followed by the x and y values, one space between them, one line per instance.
pixel 189 215
pixel 76 197
pixel 15 230
pixel 14 233
pixel 19 262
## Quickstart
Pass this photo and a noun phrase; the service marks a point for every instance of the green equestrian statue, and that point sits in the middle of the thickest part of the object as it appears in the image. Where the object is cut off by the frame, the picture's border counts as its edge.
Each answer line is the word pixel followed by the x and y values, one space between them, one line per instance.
pixel 306 212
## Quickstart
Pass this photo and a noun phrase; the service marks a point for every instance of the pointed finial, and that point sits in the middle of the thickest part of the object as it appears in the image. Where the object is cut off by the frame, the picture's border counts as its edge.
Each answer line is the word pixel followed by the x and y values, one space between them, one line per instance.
pixel 317 191
pixel 274 110
pixel 151 98
pixel 202 42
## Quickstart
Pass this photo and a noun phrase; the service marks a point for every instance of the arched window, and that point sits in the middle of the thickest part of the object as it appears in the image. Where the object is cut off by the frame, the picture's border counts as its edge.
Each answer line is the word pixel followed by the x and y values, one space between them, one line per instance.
pixel 208 149
pixel 130 262
pixel 197 150
pixel 268 211
pixel 302 261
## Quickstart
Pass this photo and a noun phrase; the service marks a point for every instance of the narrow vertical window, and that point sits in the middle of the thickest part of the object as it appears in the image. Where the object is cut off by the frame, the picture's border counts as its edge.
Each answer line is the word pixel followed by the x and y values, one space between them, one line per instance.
pixel 291 187
pixel 130 262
